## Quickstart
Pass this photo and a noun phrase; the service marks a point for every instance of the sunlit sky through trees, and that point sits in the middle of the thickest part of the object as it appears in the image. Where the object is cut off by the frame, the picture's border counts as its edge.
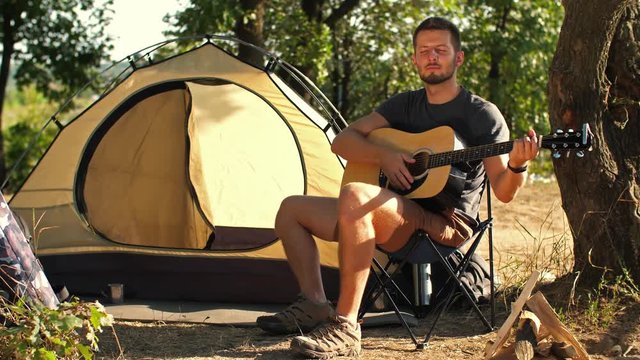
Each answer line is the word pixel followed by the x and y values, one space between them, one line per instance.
pixel 137 24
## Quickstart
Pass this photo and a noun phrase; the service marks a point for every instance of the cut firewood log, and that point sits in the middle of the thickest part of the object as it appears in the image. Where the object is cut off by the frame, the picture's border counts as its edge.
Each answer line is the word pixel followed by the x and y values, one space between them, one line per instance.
pixel 523 350
pixel 525 337
pixel 538 305
pixel 534 322
pixel 505 329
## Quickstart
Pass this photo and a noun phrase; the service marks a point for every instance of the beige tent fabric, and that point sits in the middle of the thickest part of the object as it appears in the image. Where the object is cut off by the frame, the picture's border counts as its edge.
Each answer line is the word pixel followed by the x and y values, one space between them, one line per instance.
pixel 136 188
pixel 50 188
pixel 243 158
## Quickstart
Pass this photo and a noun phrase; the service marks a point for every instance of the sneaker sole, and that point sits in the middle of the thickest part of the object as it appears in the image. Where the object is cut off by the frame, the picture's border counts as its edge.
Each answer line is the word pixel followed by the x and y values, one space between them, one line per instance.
pixel 327 355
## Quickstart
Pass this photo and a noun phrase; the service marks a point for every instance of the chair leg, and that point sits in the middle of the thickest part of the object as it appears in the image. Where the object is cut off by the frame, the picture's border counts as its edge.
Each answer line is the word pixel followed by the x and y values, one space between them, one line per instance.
pixel 368 297
pixel 379 289
pixel 380 286
pixel 453 275
pixel 398 314
pixel 491 275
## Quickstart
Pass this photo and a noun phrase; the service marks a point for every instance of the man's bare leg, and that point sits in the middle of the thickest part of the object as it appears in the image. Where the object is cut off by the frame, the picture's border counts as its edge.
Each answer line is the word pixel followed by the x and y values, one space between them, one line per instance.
pixel 297 219
pixel 368 215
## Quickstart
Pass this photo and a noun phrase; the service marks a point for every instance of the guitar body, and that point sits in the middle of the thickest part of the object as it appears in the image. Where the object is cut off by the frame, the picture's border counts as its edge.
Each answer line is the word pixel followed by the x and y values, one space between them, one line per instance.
pixel 438 140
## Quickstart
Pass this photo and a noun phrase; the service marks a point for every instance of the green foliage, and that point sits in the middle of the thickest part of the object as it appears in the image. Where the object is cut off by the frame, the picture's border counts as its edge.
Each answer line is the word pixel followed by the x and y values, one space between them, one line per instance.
pixel 508 47
pixel 371 58
pixel 33 331
pixel 204 17
pixel 365 56
pixel 308 48
pixel 200 17
pixel 58 44
pixel 26 113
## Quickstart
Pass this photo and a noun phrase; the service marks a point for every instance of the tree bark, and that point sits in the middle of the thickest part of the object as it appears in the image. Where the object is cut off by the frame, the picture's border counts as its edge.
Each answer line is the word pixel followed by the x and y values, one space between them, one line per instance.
pixel 249 28
pixel 595 79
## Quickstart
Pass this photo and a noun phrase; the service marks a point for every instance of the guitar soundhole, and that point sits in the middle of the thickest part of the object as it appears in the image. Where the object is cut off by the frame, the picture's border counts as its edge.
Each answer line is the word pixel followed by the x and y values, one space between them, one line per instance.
pixel 418 170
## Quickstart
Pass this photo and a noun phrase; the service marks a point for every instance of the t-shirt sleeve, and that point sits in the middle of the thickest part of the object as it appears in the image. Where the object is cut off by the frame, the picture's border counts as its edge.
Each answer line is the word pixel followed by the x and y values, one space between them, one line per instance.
pixel 491 125
pixel 394 109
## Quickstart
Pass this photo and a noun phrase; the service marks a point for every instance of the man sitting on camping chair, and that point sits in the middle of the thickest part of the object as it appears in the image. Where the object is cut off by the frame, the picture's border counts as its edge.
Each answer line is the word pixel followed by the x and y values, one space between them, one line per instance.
pixel 366 215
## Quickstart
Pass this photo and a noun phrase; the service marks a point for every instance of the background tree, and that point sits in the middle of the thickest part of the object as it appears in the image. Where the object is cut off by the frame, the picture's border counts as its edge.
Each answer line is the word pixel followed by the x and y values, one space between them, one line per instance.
pixel 54 47
pixel 595 79
pixel 508 46
pixel 360 55
pixel 242 19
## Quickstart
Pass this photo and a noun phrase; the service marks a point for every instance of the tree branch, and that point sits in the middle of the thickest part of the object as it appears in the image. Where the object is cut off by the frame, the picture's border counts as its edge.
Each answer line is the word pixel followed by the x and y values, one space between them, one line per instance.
pixel 340 12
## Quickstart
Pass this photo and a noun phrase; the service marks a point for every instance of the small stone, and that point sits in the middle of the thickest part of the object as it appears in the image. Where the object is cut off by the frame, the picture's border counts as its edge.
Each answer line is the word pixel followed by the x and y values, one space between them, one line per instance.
pixel 615 350
pixel 606 344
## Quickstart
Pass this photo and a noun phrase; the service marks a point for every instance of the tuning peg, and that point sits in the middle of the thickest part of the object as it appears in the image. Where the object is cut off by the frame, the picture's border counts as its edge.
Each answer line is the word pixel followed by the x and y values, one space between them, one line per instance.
pixel 559 131
pixel 556 154
pixel 580 153
pixel 570 131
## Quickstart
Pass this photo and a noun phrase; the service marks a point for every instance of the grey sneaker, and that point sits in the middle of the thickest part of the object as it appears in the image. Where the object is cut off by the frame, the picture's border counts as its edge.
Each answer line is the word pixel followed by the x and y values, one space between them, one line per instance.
pixel 298 318
pixel 338 337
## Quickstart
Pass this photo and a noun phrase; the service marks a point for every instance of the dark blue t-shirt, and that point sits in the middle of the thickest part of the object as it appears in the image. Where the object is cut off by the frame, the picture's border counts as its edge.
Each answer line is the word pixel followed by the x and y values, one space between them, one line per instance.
pixel 475 122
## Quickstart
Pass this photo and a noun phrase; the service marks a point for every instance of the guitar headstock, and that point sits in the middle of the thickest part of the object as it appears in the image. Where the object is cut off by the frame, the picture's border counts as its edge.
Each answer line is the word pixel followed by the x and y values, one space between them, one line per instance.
pixel 569 140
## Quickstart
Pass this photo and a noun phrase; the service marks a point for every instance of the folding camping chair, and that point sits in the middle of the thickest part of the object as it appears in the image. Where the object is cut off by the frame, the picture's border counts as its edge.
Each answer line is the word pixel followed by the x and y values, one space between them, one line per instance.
pixel 422 250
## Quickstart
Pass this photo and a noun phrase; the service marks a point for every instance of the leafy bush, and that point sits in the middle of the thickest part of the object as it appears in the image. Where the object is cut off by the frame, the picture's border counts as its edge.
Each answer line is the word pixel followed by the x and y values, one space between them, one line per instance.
pixel 33 331
pixel 18 138
pixel 26 112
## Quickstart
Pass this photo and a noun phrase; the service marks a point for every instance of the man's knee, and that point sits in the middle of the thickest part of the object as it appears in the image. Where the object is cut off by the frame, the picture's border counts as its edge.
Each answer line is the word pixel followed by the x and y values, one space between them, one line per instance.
pixel 355 194
pixel 286 212
pixel 351 197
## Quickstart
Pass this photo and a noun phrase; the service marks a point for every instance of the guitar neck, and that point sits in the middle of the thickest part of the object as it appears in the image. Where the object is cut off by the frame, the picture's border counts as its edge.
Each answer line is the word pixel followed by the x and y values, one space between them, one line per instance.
pixel 470 154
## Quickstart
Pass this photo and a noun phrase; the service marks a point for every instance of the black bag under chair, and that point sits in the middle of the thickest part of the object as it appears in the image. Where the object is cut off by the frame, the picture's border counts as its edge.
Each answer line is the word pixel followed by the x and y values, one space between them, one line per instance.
pixel 419 251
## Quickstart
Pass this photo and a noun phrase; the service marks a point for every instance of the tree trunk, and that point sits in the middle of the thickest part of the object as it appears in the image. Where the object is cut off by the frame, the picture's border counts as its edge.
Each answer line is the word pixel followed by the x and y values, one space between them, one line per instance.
pixel 249 28
pixel 496 94
pixel 313 9
pixel 341 73
pixel 595 79
pixel 8 39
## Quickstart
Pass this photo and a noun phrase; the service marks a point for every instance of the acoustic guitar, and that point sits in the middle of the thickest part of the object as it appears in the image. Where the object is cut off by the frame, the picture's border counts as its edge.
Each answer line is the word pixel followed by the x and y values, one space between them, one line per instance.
pixel 437 149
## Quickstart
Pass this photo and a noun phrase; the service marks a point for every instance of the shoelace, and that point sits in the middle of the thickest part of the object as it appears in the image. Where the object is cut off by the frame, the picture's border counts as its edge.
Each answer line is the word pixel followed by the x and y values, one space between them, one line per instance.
pixel 330 333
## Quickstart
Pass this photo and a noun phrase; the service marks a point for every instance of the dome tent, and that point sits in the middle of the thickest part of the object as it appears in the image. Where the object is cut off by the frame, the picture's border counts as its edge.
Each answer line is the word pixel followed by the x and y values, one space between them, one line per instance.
pixel 172 179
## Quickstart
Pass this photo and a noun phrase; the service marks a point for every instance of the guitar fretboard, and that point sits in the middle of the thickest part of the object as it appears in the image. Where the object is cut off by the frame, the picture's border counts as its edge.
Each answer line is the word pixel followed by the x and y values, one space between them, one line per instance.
pixel 470 154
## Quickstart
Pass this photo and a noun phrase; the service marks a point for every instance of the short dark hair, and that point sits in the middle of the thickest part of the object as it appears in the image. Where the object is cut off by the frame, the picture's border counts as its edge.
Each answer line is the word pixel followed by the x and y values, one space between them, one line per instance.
pixel 438 23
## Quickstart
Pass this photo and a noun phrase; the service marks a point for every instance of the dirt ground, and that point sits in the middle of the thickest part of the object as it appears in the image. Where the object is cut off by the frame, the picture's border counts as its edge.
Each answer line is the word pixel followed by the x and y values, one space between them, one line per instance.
pixel 531 230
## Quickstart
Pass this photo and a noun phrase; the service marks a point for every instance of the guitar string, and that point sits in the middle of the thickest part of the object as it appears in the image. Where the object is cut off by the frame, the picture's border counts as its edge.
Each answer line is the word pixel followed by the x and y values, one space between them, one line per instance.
pixel 475 153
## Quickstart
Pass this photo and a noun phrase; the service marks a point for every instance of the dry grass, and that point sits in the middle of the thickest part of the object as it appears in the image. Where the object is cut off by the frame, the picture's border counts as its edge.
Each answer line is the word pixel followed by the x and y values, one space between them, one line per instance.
pixel 530 233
